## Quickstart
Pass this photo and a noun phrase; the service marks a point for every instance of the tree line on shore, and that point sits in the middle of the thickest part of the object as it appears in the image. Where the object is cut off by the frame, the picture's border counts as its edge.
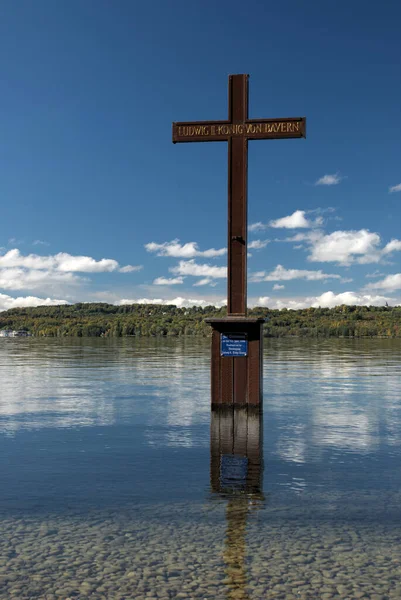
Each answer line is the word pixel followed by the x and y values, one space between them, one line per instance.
pixel 108 320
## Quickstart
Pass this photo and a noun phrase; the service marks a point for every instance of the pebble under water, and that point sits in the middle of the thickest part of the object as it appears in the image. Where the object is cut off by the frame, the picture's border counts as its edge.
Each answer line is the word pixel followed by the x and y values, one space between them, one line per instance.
pixel 118 484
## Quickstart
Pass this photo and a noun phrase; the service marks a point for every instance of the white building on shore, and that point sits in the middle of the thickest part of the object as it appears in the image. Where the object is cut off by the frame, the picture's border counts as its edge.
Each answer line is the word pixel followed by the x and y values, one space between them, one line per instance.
pixel 13 333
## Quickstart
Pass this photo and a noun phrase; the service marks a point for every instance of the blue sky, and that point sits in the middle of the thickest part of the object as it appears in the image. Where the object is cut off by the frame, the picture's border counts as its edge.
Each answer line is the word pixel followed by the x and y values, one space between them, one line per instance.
pixel 99 205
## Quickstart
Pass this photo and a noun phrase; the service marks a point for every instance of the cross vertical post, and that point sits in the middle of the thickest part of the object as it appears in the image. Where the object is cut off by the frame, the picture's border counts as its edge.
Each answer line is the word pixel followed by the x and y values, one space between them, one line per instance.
pixel 237 200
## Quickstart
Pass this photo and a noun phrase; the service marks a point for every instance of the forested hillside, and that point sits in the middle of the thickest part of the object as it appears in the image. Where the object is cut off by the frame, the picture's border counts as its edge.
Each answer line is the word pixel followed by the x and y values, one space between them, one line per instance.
pixel 158 320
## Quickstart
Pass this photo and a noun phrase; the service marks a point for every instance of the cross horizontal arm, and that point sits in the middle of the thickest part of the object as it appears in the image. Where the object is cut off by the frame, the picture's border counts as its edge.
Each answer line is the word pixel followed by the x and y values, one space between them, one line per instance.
pixel 220 131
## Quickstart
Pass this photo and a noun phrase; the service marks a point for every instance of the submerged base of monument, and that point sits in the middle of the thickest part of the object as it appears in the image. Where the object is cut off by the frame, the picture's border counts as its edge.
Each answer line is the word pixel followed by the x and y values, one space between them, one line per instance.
pixel 237 362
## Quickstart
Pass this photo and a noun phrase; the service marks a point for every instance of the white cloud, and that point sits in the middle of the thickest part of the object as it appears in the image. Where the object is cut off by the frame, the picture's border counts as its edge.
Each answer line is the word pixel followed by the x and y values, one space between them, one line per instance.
pixel 190 267
pixel 329 300
pixel 343 246
pixel 179 301
pixel 176 250
pixel 259 226
pixel 392 246
pixel 31 279
pixel 347 247
pixel 125 301
pixel 389 283
pixel 168 281
pixel 130 268
pixel 40 243
pixel 258 244
pixel 83 264
pixel 326 300
pixel 61 262
pixel 33 271
pixel 13 258
pixel 7 302
pixel 205 281
pixel 329 180
pixel 296 221
pixel 278 303
pixel 375 274
pixel 277 286
pixel 306 236
pixel 394 188
pixel 264 301
pixel 280 273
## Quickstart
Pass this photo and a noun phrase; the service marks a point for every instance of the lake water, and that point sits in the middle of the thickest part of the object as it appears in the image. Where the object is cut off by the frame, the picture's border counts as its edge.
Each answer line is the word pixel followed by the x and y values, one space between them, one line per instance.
pixel 115 485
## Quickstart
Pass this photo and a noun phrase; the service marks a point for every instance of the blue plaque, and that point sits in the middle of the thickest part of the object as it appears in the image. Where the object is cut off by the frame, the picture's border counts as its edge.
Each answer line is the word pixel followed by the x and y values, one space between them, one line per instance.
pixel 234 344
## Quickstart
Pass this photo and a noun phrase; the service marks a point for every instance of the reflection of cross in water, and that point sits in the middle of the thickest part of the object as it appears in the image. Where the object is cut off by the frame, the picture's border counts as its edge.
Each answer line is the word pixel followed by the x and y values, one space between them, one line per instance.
pixel 235 548
pixel 236 468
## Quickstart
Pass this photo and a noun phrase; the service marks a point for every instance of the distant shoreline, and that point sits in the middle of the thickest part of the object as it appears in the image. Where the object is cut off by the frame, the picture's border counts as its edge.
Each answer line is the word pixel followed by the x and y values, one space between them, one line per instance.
pixel 154 320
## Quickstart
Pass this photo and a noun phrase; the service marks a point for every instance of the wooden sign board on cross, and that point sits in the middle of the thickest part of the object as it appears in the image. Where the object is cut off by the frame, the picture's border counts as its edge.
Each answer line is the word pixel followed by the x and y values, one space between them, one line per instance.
pixel 251 129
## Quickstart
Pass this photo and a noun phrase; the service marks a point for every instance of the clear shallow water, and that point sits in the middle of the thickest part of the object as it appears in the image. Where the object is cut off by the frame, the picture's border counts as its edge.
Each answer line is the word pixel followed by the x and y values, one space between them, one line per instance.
pixel 112 484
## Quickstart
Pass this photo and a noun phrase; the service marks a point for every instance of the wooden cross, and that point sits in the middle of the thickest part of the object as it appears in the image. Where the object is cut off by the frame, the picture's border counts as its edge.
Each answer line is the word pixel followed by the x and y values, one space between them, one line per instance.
pixel 237 130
